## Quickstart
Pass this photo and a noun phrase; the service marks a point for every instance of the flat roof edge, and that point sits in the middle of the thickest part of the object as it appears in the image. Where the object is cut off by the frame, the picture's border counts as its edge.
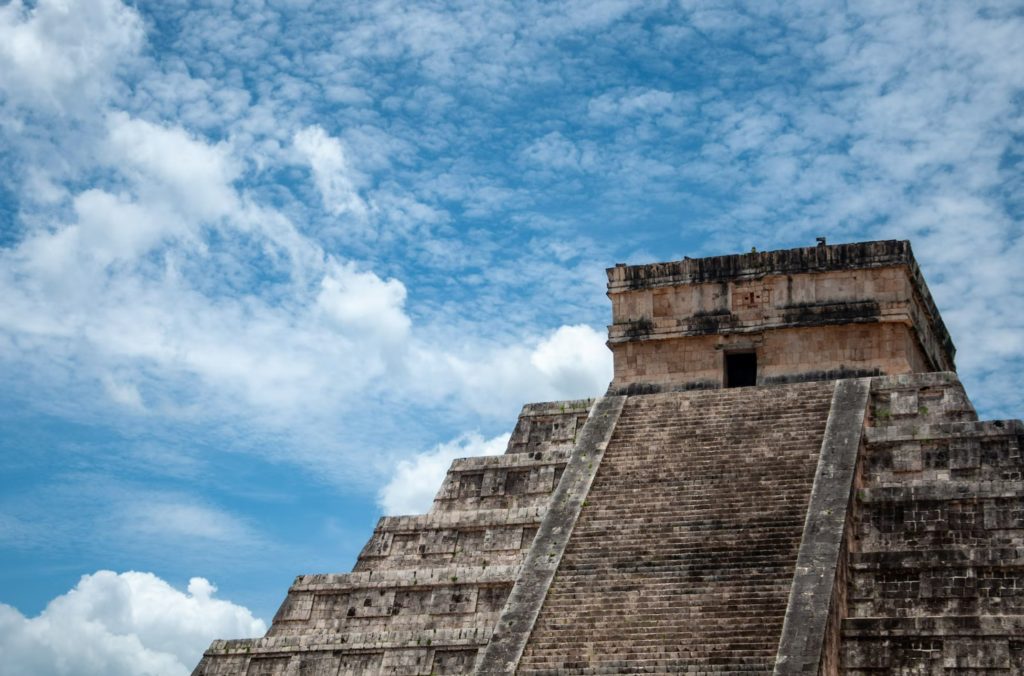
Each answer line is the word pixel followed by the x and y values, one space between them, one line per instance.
pixel 821 258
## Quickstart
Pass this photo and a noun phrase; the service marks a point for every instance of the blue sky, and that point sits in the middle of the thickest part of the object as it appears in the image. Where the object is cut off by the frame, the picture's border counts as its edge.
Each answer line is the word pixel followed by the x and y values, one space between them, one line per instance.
pixel 266 267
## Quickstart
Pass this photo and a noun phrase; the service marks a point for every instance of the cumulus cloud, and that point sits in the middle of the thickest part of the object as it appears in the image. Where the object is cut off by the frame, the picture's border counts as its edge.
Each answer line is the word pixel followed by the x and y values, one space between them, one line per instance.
pixel 174 168
pixel 332 172
pixel 363 303
pixel 130 624
pixel 575 361
pixel 414 483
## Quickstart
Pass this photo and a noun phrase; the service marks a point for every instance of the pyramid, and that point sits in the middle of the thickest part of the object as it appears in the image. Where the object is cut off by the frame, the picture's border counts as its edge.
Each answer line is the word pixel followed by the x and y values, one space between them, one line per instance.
pixel 785 476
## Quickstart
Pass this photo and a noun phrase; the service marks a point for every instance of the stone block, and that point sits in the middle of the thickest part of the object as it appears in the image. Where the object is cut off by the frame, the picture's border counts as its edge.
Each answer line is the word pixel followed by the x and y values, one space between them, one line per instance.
pixel 411 662
pixel 273 666
pixel 453 600
pixel 965 653
pixel 360 664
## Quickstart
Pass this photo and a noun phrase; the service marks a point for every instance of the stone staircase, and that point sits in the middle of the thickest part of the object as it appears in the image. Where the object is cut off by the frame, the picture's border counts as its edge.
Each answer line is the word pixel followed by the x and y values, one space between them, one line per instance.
pixel 684 553
pixel 936 565
pixel 426 589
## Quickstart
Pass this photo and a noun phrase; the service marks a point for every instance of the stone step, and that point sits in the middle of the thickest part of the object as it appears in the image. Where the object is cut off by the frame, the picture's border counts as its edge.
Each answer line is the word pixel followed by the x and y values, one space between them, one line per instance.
pixel 353 641
pixel 403 578
pixel 954 556
pixel 937 491
pixel 923 626
pixel 438 539
pixel 683 554
pixel 404 662
pixel 363 601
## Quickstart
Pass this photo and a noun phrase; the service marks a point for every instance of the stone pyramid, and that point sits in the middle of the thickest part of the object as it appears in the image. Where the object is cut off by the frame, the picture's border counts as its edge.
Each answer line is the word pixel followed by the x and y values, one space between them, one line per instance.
pixel 785 476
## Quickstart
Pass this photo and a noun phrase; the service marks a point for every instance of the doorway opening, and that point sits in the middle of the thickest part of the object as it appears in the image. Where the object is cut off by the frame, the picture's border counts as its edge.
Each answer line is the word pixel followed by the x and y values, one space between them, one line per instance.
pixel 740 369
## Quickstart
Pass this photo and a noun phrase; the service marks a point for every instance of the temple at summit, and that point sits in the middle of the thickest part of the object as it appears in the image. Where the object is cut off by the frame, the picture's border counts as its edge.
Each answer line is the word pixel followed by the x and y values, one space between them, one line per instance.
pixel 785 476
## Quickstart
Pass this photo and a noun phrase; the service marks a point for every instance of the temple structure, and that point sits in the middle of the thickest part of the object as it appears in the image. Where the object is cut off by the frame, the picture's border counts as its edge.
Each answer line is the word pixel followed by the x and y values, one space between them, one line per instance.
pixel 785 476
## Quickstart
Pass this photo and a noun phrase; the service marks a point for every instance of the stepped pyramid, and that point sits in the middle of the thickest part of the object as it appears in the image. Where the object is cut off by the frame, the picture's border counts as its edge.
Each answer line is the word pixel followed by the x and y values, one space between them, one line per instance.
pixel 785 476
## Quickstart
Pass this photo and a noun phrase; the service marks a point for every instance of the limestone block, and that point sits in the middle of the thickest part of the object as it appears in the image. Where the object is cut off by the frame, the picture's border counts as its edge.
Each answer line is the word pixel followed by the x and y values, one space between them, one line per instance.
pixel 497 539
pixel 227 665
pixel 493 483
pixel 412 601
pixel 1005 514
pixel 417 662
pixel 438 541
pixel 906 457
pixel 360 603
pixel 453 600
pixel 516 482
pixel 378 546
pixel 320 664
pixel 964 453
pixel 471 484
pixel 542 479
pixel 903 403
pixel 360 664
pixel 296 606
pixel 330 606
pixel 968 653
pixel 453 661
pixel 273 666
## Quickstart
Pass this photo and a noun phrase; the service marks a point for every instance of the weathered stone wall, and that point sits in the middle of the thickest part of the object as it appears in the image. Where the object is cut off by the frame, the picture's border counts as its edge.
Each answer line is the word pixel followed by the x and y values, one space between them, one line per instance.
pixel 783 355
pixel 810 314
pixel 936 569
pixel 427 589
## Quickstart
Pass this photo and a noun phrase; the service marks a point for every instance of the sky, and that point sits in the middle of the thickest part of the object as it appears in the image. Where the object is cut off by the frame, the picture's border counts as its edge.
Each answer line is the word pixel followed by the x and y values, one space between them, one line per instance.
pixel 267 267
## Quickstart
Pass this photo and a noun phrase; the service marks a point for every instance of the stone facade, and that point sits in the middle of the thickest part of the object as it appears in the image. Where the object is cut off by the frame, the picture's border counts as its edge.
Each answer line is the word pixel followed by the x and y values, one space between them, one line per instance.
pixel 818 313
pixel 427 589
pixel 845 514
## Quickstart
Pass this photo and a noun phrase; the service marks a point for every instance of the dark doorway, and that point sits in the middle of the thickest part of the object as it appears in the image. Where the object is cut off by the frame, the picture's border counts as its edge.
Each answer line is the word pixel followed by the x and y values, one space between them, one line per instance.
pixel 740 369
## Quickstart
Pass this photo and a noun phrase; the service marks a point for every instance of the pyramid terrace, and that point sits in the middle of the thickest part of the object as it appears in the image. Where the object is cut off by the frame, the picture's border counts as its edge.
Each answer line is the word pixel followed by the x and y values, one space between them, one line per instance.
pixel 785 476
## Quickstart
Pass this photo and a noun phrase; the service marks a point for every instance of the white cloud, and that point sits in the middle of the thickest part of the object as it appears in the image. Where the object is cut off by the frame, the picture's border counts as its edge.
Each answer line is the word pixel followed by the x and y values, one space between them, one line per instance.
pixel 554 151
pixel 335 178
pixel 170 517
pixel 64 52
pixel 175 184
pixel 113 227
pixel 414 483
pixel 363 304
pixel 122 392
pixel 128 624
pixel 574 361
pixel 614 106
pixel 173 168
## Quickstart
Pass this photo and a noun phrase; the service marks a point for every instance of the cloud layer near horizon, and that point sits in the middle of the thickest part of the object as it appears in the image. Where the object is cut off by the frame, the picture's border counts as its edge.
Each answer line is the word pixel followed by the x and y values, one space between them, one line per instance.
pixel 127 624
